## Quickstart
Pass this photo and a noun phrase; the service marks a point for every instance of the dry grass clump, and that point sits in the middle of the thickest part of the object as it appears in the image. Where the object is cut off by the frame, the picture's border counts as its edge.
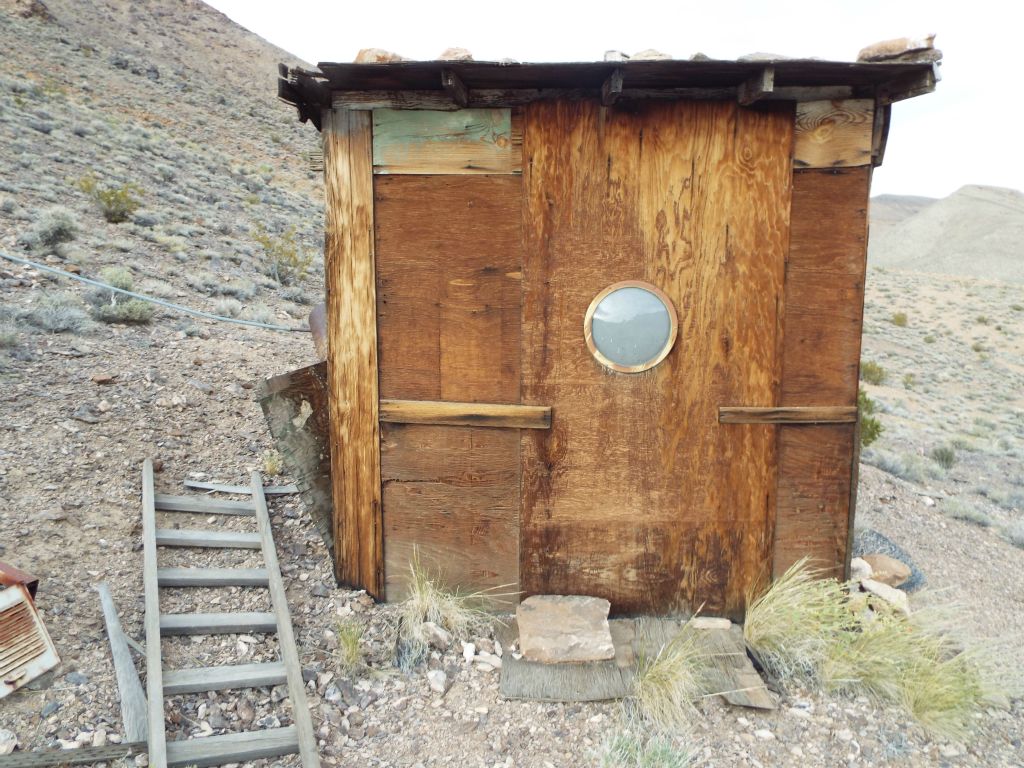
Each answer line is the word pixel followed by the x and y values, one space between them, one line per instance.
pixel 461 614
pixel 666 686
pixel 349 656
pixel 840 641
pixel 795 622
pixel 629 749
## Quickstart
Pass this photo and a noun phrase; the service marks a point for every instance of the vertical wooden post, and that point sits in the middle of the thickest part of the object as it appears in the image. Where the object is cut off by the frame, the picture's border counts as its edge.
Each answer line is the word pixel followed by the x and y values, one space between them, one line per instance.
pixel 352 349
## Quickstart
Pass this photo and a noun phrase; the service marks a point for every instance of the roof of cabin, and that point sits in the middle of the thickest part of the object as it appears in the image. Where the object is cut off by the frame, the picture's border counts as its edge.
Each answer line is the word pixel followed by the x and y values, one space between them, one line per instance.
pixel 455 84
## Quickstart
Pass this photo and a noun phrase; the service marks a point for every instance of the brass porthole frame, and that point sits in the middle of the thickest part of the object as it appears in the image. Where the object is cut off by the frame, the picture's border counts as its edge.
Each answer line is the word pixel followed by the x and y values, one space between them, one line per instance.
pixel 588 322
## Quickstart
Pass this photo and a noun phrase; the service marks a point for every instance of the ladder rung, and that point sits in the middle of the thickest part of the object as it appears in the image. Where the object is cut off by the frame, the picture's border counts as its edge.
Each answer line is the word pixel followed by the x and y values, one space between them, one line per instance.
pixel 216 623
pixel 232 748
pixel 173 537
pixel 212 577
pixel 201 679
pixel 203 505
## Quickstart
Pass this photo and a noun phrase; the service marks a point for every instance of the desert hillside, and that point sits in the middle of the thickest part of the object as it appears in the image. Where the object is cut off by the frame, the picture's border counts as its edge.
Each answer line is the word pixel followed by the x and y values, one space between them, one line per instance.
pixel 142 143
pixel 975 232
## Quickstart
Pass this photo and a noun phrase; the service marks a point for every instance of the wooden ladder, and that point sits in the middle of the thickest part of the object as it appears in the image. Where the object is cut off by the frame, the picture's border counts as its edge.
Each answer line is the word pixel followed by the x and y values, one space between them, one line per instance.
pixel 232 747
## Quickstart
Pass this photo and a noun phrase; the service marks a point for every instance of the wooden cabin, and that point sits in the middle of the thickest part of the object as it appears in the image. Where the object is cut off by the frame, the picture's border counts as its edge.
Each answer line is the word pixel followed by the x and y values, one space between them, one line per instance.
pixel 595 328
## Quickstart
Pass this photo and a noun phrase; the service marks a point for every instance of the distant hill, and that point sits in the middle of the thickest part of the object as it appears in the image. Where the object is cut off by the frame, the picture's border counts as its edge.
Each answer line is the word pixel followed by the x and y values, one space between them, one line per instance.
pixel 977 232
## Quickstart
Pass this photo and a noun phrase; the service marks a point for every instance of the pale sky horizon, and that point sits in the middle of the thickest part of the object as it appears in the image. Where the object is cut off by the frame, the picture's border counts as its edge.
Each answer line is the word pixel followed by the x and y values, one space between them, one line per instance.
pixel 964 133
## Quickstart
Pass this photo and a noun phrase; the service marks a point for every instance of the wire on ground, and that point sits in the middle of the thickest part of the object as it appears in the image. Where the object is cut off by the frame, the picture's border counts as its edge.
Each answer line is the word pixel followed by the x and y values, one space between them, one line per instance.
pixel 151 299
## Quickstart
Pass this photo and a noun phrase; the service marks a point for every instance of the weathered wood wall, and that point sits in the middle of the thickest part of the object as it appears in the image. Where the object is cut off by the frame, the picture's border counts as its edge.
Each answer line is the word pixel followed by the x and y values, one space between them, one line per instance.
pixel 449 261
pixel 637 493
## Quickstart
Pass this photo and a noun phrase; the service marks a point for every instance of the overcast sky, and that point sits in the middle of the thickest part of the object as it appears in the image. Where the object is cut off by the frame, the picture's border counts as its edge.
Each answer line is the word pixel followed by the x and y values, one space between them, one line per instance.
pixel 967 132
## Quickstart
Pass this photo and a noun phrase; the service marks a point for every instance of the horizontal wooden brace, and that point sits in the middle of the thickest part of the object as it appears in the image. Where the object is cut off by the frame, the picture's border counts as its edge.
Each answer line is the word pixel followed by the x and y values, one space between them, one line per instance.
pixel 814 414
pixel 465 414
pixel 488 98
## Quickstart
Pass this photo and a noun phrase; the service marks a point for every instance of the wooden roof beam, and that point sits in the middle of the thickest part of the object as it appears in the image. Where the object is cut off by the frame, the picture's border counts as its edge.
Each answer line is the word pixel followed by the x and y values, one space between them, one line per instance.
pixel 455 88
pixel 611 89
pixel 757 87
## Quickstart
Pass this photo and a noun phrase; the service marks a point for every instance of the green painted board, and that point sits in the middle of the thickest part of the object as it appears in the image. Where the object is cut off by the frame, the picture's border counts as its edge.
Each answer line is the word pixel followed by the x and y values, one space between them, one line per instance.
pixel 429 142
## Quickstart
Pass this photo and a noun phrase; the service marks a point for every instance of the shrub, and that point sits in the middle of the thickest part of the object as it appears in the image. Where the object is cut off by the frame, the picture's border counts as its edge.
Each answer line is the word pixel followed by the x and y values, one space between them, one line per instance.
pixel 870 426
pixel 111 307
pixel 260 314
pixel 59 313
pixel 944 456
pixel 959 509
pixel 899 319
pixel 272 463
pixel 116 204
pixel 909 380
pixel 929 339
pixel 227 307
pixel 872 372
pixel 1014 533
pixel 8 335
pixel 283 259
pixel 117 277
pixel 54 226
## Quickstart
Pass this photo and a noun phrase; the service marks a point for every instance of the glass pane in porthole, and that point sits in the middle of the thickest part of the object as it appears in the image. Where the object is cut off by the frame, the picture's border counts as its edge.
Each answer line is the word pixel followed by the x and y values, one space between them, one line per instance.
pixel 632 327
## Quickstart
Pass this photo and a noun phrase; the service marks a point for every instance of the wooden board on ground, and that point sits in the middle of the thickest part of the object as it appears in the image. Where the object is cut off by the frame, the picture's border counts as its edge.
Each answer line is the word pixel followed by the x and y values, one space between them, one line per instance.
pixel 295 407
pixel 733 675
pixel 82 756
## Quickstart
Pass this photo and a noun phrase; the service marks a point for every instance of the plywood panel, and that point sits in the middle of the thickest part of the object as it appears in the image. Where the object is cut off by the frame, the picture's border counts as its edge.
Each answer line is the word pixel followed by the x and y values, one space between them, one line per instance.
pixel 449 298
pixel 452 493
pixel 352 350
pixel 468 141
pixel 834 134
pixel 448 287
pixel 814 496
pixel 637 493
pixel 824 301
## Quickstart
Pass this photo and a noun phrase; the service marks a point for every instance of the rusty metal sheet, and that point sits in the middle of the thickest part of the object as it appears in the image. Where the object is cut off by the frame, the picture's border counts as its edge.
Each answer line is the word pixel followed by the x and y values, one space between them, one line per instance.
pixel 26 650
pixel 9 576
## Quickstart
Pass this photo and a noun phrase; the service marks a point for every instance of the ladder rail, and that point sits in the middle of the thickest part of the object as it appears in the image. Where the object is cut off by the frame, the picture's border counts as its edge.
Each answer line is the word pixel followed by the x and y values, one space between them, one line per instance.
pixel 285 635
pixel 154 661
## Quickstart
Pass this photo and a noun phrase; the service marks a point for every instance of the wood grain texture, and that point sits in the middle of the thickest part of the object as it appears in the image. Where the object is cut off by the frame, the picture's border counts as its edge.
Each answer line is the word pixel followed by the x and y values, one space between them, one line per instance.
pixel 352 350
pixel 820 414
pixel 465 414
pixel 833 134
pixel 129 687
pixel 468 141
pixel 452 493
pixel 157 737
pixel 824 303
pixel 449 295
pixel 637 494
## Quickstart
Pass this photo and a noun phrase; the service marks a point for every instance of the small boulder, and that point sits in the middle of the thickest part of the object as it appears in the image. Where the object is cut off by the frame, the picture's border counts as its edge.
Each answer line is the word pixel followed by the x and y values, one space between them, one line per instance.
pixel 377 56
pixel 455 54
pixel 435 636
pixel 887 570
pixel 860 569
pixel 437 679
pixel 895 597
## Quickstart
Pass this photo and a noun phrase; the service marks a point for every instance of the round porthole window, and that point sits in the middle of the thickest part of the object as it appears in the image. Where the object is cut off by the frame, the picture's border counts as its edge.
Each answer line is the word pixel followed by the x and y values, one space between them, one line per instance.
pixel 630 326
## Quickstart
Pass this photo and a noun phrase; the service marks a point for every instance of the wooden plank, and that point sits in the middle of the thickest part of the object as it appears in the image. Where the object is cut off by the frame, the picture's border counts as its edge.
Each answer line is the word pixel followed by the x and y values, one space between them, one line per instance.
pixel 451 494
pixel 352 350
pixel 154 665
pixel 880 133
pixel 756 88
pixel 455 88
pixel 285 634
pixel 815 414
pixel 181 537
pixel 82 756
pixel 449 287
pixel 734 677
pixel 449 297
pixel 129 688
pixel 435 142
pixel 212 577
pixel 216 623
pixel 465 414
pixel 833 134
pixel 202 505
pixel 268 490
pixel 296 406
pixel 224 678
pixel 823 316
pixel 611 89
pixel 232 748
pixel 636 493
